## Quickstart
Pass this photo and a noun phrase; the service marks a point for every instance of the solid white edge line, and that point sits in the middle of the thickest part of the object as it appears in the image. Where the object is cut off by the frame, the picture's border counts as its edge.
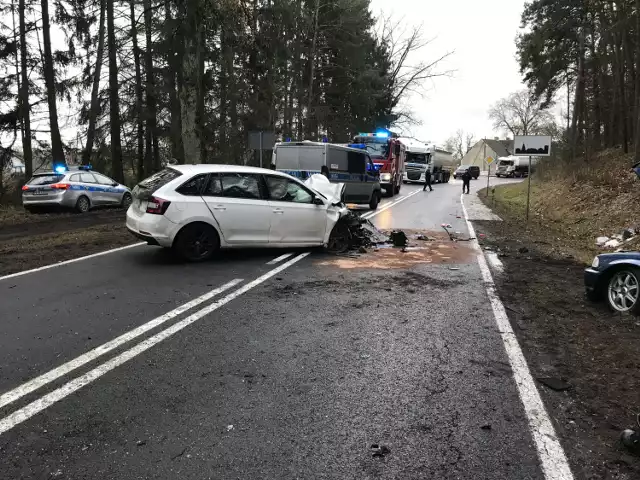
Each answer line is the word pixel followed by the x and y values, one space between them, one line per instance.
pixel 50 376
pixel 551 454
pixel 369 215
pixel 73 260
pixel 279 259
pixel 46 401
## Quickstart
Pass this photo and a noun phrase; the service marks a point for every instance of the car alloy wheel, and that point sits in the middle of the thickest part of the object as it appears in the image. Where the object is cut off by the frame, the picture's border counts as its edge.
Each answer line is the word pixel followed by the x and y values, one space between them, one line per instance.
pixel 623 291
pixel 82 205
pixel 197 242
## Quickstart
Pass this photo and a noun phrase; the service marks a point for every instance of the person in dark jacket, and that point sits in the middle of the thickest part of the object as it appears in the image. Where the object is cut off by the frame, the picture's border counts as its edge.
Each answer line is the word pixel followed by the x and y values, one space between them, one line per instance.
pixel 466 180
pixel 427 181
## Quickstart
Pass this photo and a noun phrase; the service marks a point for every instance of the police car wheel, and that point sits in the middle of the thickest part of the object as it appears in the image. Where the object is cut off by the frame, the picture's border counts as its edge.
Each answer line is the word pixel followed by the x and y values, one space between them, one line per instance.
pixel 83 205
pixel 126 200
pixel 375 200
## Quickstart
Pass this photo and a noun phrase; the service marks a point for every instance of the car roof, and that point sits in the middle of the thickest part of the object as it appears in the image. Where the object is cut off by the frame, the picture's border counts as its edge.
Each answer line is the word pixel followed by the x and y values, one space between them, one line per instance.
pixel 219 168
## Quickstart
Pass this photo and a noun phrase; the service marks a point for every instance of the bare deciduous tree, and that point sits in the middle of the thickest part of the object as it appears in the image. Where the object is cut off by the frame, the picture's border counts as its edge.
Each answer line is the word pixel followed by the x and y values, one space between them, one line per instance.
pixel 407 74
pixel 460 143
pixel 520 114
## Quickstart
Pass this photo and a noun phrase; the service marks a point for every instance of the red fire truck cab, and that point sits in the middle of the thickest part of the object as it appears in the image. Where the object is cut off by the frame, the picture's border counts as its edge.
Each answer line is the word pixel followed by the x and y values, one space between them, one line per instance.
pixel 388 155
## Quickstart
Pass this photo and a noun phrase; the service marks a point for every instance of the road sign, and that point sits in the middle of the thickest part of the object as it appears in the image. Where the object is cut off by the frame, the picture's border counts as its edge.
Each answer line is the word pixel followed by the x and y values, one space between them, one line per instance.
pixel 532 145
pixel 489 160
pixel 262 140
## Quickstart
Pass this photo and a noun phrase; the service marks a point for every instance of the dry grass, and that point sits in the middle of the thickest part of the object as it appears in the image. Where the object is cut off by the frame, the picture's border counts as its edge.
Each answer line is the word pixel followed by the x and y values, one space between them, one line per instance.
pixel 573 203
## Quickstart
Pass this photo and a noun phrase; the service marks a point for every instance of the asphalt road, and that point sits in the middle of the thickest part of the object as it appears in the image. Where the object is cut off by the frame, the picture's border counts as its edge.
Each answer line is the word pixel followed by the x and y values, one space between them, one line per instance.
pixel 288 368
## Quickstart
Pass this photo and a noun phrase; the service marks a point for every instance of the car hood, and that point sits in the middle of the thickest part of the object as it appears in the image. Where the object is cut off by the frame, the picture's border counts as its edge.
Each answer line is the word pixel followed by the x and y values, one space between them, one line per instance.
pixel 322 185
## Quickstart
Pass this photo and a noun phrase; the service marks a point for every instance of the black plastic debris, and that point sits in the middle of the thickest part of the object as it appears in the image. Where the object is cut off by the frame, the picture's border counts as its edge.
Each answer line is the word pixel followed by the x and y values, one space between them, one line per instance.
pixel 399 238
pixel 353 234
pixel 554 383
pixel 379 451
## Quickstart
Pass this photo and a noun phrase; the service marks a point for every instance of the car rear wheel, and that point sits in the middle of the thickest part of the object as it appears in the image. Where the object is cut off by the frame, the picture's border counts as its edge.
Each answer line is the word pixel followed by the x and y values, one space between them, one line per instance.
pixel 126 200
pixel 623 291
pixel 83 205
pixel 197 242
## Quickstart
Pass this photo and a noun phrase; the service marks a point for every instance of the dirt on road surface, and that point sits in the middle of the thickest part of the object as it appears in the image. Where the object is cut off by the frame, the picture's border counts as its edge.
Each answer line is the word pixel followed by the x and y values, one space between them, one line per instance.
pixel 589 353
pixel 34 240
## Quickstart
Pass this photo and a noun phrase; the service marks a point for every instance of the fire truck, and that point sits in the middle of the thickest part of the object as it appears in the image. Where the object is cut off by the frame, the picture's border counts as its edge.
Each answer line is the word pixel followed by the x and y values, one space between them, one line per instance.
pixel 388 154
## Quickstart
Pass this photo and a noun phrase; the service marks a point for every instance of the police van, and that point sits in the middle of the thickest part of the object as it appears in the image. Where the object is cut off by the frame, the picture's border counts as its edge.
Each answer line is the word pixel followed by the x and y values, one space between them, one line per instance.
pixel 350 165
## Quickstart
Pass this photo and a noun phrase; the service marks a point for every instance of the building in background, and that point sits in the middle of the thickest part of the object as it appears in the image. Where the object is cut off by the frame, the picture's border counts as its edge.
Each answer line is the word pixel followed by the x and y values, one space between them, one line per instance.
pixel 495 148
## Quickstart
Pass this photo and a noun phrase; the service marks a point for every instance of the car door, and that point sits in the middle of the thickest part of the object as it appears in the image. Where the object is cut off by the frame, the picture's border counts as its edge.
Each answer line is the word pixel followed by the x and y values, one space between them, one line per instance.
pixel 238 204
pixel 112 194
pixel 295 219
pixel 92 189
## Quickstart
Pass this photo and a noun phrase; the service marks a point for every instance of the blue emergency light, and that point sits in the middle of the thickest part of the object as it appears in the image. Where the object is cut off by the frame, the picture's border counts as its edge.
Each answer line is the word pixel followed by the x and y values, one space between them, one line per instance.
pixel 361 146
pixel 383 133
pixel 60 169
pixel 85 167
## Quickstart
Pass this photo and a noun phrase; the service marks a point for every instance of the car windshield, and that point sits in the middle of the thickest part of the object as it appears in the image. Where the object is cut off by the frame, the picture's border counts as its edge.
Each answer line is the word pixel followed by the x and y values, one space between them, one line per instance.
pixel 47 179
pixel 378 150
pixel 417 158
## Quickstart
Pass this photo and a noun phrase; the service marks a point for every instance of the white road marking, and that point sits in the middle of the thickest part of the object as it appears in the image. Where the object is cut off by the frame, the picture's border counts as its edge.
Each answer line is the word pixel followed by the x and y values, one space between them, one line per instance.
pixel 279 259
pixel 388 206
pixel 50 376
pixel 550 452
pixel 494 260
pixel 76 384
pixel 73 260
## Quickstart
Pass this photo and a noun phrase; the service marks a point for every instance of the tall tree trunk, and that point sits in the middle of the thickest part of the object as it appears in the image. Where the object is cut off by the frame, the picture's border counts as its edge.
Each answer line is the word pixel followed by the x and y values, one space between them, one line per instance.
pixel 312 69
pixel 95 89
pixel 152 155
pixel 25 107
pixel 225 74
pixel 140 167
pixel 190 92
pixel 114 102
pixel 579 98
pixel 50 83
pixel 637 56
pixel 173 68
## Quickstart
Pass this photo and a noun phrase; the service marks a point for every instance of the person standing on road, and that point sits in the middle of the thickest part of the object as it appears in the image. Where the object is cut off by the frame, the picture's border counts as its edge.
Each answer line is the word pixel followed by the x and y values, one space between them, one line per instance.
pixel 427 181
pixel 466 180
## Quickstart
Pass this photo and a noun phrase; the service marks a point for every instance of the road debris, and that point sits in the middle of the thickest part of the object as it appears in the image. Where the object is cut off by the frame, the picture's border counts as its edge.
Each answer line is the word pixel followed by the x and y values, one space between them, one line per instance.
pixel 379 451
pixel 554 383
pixel 398 238
pixel 486 427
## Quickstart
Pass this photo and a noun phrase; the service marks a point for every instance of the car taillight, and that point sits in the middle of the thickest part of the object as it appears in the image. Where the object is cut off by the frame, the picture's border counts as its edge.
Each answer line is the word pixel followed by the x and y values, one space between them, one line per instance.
pixel 60 186
pixel 157 206
pixel 25 188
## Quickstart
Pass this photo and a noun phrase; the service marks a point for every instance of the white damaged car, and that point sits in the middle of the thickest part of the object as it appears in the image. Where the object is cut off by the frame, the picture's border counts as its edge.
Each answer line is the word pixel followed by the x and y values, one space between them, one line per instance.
pixel 198 209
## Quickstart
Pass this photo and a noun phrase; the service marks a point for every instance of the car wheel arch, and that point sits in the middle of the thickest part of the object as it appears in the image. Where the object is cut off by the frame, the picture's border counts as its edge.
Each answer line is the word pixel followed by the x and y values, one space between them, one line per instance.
pixel 610 271
pixel 199 222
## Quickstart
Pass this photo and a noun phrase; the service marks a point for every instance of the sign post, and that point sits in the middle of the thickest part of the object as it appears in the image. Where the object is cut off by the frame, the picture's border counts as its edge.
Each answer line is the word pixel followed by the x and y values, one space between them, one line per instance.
pixel 488 160
pixel 261 140
pixel 529 146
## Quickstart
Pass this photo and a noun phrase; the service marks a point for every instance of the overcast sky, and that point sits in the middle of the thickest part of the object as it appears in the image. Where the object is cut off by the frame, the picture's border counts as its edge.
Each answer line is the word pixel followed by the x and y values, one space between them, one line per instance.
pixel 483 37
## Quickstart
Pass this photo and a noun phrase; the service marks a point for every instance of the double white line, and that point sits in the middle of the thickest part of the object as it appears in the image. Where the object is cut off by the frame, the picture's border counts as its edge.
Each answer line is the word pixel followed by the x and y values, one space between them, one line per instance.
pixel 373 213
pixel 19 416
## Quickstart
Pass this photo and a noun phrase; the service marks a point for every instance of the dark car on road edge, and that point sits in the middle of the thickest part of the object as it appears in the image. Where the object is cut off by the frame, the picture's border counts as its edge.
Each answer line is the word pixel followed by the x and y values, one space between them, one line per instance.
pixel 616 278
pixel 473 170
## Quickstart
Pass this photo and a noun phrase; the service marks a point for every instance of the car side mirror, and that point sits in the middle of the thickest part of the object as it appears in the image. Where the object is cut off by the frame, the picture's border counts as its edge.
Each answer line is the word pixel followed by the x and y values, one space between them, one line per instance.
pixel 317 201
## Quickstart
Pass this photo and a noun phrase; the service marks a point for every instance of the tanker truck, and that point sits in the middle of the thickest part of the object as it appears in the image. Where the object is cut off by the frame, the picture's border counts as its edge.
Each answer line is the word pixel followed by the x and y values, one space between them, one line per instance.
pixel 423 156
pixel 441 164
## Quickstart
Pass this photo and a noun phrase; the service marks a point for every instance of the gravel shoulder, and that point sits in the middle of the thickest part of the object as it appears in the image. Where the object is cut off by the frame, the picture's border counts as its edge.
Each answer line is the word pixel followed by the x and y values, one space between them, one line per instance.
pixel 564 337
pixel 30 241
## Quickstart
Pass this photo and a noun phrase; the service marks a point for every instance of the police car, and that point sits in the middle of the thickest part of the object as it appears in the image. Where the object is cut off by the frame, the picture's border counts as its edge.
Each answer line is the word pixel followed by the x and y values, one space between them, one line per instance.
pixel 78 188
